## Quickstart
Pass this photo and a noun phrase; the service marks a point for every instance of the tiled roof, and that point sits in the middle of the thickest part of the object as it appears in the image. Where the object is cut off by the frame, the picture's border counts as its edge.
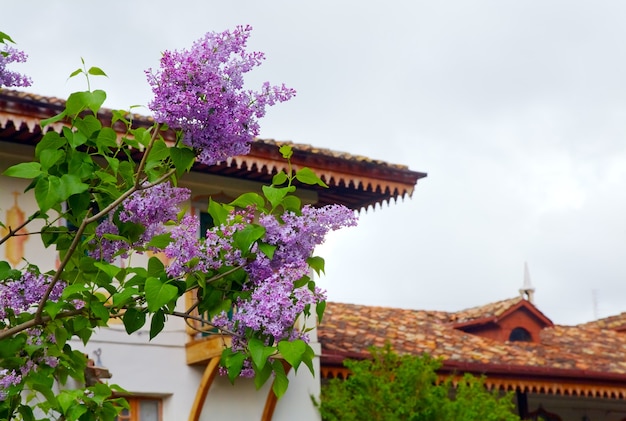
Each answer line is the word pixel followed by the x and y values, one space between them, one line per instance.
pixel 573 352
pixel 486 311
pixel 355 181
pixel 616 322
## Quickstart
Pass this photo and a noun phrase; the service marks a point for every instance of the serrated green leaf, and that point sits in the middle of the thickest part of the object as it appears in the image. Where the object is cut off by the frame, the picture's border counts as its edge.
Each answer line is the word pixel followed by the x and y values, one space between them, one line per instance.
pixel 24 170
pixel 292 351
pixel 133 320
pixel 159 293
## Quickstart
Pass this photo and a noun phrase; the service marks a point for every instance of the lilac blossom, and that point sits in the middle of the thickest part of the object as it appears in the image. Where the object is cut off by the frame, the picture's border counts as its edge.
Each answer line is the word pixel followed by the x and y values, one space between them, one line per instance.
pixel 201 92
pixel 274 303
pixel 150 207
pixel 153 205
pixel 21 295
pixel 8 378
pixel 10 78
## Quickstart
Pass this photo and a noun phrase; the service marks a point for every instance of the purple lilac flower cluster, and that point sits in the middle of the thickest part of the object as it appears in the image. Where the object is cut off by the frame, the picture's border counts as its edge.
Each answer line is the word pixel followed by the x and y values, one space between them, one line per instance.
pixel 274 304
pixel 21 295
pixel 151 208
pixel 9 78
pixel 214 251
pixel 201 91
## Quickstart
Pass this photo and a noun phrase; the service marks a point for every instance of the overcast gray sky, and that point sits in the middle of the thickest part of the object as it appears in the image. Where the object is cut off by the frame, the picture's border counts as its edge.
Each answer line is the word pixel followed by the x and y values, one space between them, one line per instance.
pixel 515 109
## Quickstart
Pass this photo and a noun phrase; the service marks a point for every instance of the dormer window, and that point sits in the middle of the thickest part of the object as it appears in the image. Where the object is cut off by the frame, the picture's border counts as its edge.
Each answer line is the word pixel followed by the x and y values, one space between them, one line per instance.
pixel 519 334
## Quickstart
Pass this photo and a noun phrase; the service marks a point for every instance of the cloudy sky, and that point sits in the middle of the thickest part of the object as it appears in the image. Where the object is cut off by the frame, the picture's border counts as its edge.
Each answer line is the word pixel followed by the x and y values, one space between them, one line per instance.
pixel 515 109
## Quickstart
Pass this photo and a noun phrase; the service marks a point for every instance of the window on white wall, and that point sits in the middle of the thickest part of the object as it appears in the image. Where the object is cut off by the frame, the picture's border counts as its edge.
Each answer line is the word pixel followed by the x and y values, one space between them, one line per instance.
pixel 141 409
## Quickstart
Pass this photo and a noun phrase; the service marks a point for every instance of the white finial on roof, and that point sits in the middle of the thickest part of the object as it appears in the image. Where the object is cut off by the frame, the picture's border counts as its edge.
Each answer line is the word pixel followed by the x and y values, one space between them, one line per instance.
pixel 527 291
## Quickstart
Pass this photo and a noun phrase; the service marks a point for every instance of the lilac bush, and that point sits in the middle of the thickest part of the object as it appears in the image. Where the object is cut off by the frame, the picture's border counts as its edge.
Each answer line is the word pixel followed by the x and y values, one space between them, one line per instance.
pixel 250 275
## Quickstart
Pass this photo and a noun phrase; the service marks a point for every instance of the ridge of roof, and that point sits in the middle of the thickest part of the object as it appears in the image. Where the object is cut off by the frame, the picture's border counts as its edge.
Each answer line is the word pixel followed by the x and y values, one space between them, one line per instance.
pixel 348 330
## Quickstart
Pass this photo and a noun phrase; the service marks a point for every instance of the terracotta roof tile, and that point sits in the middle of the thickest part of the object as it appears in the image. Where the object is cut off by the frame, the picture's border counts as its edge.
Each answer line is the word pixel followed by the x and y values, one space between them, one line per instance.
pixel 349 330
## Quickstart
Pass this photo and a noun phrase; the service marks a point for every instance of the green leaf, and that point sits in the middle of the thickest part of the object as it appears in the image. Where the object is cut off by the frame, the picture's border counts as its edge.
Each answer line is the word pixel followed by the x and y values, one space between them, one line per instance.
pixel 160 241
pixel 107 138
pixel 183 159
pixel 275 194
pixel 157 323
pixel 233 362
pixel 125 295
pixel 24 170
pixel 286 151
pixel 66 398
pixel 159 293
pixel 279 178
pixel 319 310
pixel 157 154
pixel 259 352
pixel 79 101
pixel 244 238
pixel 292 351
pixel 52 308
pixel 48 192
pixel 308 357
pixel 249 199
pixel 281 382
pixel 155 267
pixel 307 176
pixel 50 141
pixel 12 346
pixel 109 269
pixel 292 203
pixel 4 38
pixel 88 125
pixel 317 264
pixel 100 312
pixel 71 185
pixel 261 375
pixel 133 320
pixel 267 249
pixel 96 71
pixel 218 212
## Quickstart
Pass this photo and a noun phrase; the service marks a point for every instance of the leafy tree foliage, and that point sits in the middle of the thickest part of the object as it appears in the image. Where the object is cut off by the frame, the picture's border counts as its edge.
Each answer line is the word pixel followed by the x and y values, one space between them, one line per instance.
pixel 391 387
